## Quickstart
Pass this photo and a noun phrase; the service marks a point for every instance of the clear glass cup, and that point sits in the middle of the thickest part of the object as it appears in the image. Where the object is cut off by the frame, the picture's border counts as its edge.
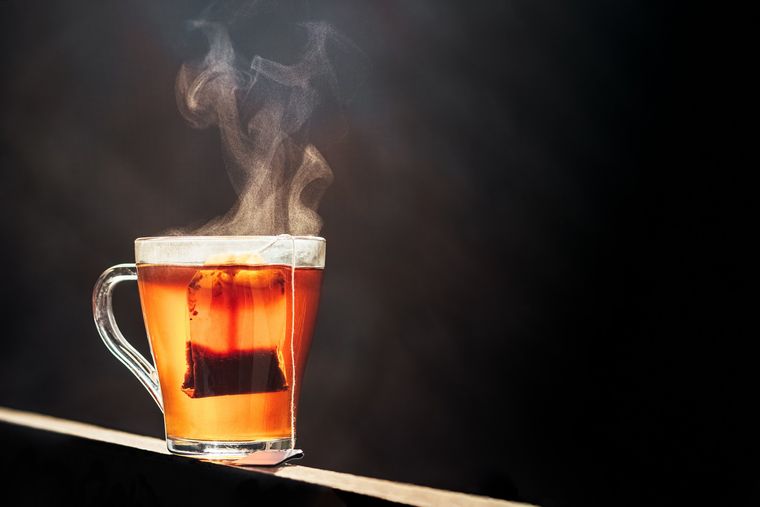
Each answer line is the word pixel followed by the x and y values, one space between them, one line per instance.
pixel 229 321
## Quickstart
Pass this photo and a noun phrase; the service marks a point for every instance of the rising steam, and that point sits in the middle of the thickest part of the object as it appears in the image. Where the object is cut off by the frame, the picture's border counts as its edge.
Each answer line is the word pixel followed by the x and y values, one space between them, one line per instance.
pixel 261 108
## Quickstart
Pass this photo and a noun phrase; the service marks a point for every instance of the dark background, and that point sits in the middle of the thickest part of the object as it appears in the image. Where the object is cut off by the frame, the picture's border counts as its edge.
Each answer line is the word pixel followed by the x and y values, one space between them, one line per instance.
pixel 535 238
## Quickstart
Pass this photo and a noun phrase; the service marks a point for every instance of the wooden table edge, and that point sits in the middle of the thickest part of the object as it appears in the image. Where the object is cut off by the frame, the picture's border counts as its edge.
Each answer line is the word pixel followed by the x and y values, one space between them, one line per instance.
pixel 405 493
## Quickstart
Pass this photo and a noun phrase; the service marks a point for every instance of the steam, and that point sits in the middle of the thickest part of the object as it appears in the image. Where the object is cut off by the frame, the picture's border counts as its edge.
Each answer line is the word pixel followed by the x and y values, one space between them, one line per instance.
pixel 262 109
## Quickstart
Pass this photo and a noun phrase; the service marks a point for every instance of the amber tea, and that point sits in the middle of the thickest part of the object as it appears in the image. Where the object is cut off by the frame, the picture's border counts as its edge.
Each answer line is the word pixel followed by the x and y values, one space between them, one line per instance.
pixel 222 343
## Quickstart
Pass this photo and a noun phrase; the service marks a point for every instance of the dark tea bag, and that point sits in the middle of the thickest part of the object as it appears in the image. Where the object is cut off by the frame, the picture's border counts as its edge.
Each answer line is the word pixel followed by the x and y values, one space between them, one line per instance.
pixel 236 326
pixel 215 374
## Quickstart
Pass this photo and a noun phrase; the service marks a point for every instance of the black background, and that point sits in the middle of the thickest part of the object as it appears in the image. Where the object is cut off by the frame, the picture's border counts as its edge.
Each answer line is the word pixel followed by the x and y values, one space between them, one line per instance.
pixel 535 237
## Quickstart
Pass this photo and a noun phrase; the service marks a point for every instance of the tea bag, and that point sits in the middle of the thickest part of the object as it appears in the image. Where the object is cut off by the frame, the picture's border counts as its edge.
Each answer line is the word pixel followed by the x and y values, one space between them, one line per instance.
pixel 236 328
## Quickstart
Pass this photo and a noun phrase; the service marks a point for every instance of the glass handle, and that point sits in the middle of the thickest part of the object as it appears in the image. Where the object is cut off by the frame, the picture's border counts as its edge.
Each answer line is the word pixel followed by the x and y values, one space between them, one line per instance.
pixel 102 310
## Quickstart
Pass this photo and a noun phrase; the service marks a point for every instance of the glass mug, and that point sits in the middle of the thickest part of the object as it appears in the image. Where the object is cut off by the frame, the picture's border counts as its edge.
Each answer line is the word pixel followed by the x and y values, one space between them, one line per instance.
pixel 229 321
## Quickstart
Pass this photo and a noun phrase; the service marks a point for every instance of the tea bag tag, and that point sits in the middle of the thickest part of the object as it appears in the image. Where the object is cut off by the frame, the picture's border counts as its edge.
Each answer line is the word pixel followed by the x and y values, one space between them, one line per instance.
pixel 269 458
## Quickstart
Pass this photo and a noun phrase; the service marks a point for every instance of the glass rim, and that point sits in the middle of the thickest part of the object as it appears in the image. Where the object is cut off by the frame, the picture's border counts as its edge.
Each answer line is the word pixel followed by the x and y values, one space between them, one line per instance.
pixel 188 239
pixel 301 251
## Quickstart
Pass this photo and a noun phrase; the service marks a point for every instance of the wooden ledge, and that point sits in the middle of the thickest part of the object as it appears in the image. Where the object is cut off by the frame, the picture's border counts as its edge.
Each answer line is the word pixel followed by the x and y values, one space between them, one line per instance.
pixel 409 494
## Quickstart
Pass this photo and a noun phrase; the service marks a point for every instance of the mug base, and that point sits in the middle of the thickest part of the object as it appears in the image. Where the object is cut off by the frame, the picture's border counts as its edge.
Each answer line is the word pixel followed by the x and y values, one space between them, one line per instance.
pixel 224 449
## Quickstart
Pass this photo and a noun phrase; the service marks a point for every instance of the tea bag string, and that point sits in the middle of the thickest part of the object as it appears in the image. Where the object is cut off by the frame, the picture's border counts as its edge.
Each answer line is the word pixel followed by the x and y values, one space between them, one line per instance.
pixel 292 343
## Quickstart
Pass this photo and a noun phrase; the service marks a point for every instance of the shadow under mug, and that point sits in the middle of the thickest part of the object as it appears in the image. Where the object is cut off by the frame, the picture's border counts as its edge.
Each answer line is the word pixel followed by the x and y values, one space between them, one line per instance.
pixel 229 321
